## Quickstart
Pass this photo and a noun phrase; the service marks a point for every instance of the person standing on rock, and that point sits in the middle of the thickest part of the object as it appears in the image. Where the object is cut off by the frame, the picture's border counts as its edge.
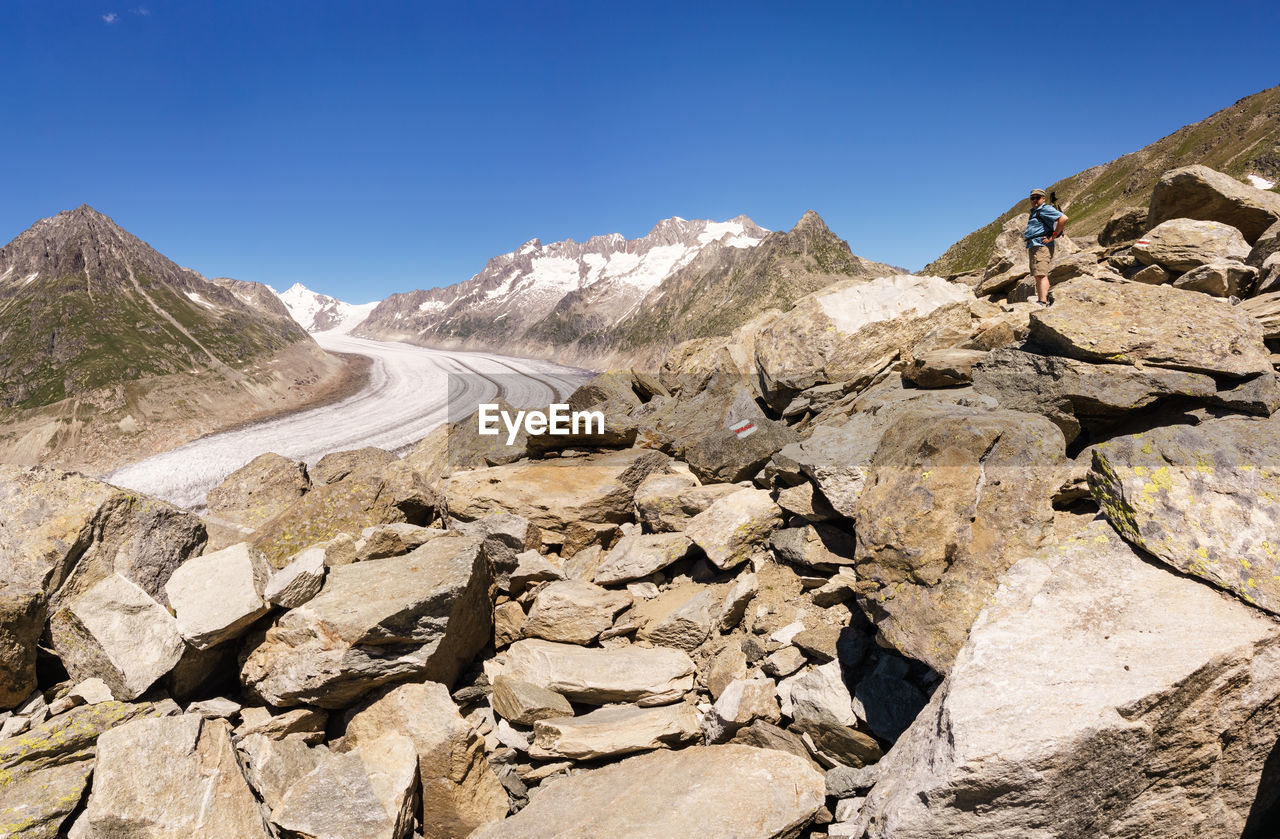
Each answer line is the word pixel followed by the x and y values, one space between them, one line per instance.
pixel 1044 226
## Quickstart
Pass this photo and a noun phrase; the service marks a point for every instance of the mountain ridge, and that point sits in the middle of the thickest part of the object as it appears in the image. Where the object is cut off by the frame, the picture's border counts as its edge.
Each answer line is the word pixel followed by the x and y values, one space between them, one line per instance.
pixel 611 300
pixel 1242 139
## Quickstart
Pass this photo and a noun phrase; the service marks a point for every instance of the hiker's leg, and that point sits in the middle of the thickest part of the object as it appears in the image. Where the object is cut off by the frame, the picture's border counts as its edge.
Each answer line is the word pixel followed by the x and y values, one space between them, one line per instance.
pixel 1039 257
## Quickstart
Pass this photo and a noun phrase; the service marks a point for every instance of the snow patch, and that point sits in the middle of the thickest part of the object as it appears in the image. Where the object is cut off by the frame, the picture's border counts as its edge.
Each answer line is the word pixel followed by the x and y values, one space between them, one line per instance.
pixel 431 306
pixel 554 273
pixel 196 298
pixel 596 263
pixel 1261 182
pixel 31 277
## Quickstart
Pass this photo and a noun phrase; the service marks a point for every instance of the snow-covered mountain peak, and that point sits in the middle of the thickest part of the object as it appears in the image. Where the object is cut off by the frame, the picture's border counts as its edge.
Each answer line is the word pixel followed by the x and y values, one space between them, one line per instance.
pixel 525 285
pixel 318 312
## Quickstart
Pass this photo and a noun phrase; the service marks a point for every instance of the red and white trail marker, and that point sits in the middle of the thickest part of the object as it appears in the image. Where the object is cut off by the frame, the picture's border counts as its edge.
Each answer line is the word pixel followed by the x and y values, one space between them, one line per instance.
pixel 743 429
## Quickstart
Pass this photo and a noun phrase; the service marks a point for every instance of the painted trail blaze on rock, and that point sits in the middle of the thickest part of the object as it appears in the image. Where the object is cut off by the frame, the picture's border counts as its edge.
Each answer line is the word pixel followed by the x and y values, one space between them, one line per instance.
pixel 1204 499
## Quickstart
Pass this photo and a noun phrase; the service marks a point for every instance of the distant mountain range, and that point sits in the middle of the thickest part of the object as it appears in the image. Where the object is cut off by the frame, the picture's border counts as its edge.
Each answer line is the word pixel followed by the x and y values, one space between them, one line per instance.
pixel 611 300
pixel 1242 140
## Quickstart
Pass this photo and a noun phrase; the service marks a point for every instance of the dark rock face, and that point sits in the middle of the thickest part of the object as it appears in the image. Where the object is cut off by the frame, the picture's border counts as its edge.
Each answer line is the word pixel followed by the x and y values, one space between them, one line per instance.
pixel 1125 224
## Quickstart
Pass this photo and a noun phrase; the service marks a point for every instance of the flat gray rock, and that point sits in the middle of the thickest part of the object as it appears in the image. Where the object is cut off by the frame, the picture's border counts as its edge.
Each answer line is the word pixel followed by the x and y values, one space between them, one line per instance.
pixel 422 615
pixel 702 792
pixel 652 676
pixel 614 730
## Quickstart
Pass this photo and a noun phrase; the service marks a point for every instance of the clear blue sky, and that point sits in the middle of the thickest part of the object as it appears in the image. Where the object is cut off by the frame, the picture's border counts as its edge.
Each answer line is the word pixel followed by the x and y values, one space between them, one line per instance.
pixel 364 148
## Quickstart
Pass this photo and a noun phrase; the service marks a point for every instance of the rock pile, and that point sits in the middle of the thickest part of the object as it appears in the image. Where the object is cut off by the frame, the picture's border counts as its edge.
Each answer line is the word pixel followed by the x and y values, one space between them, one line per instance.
pixel 900 562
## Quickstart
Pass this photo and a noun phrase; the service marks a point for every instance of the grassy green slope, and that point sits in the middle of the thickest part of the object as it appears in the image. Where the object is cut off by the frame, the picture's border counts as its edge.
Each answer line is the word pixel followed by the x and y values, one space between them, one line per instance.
pixel 1239 140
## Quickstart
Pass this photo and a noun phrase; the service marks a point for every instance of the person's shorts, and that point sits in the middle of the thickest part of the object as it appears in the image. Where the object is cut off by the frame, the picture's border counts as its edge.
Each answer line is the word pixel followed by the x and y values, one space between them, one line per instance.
pixel 1038 260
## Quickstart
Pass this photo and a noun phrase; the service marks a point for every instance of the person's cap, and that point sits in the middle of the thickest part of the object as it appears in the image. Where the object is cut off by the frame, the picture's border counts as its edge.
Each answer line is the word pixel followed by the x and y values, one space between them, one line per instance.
pixel 1039 192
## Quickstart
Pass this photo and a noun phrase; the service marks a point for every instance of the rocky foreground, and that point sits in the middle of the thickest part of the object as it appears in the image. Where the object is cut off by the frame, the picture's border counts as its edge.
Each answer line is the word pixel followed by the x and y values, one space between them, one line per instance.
pixel 977 568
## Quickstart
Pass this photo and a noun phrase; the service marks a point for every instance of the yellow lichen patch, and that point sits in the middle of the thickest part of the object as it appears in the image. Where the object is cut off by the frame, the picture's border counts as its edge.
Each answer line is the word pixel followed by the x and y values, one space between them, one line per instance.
pixel 1141 471
pixel 1161 479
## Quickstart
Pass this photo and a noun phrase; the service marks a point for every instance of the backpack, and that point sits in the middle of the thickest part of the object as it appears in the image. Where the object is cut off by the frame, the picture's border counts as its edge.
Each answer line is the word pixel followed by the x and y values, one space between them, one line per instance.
pixel 1035 214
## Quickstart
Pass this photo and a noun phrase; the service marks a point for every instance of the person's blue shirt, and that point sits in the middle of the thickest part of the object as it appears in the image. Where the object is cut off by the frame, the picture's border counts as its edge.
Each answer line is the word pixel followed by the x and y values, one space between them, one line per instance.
pixel 1043 220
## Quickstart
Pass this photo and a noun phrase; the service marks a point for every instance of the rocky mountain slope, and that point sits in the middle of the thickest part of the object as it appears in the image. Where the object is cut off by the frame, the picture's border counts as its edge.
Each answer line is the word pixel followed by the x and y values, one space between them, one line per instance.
pixel 95 326
pixel 317 312
pixel 901 561
pixel 1242 140
pixel 610 299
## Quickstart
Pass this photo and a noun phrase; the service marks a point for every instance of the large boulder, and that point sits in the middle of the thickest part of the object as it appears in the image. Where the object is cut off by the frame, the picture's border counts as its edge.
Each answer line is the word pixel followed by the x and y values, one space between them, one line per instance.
pixel 259 490
pixel 956 496
pixel 394 493
pixel 61 533
pixel 720 431
pixel 1221 279
pixel 1267 246
pixel 22 619
pixel 836 454
pixel 338 466
pixel 703 792
pixel 169 777
pixel 1201 499
pixel 690 366
pixel 1131 323
pixel 1182 244
pixel 1092 699
pixel 423 615
pixel 573 611
pixel 367 793
pixel 575 501
pixel 637 556
pixel 853 329
pixel 1008 262
pixel 460 792
pixel 1125 225
pixel 1198 192
pixel 44 772
pixel 650 676
pixel 117 633
pixel 1073 393
pixel 665 503
pixel 218 595
pixel 942 368
pixel 613 394
pixel 736 527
